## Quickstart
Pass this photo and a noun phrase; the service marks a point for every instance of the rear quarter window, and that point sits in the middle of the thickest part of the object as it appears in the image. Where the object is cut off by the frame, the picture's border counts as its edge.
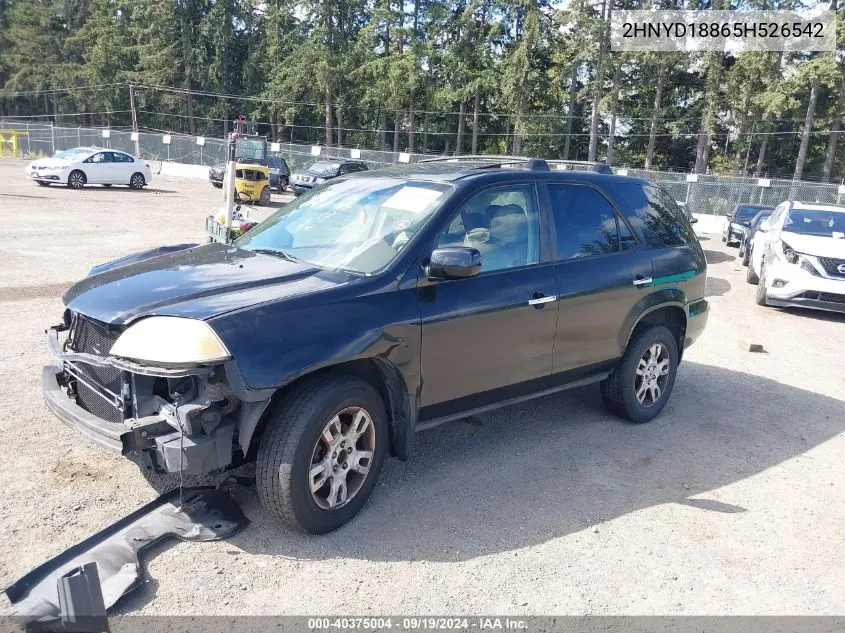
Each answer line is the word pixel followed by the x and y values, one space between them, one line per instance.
pixel 654 214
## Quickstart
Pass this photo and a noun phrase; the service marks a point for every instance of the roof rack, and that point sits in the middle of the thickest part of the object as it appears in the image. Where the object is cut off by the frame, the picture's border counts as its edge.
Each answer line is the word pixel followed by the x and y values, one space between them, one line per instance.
pixel 581 165
pixel 492 161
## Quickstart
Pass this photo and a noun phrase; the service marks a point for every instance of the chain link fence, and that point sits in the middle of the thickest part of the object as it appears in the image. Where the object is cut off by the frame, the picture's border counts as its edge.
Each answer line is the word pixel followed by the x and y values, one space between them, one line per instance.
pixel 702 193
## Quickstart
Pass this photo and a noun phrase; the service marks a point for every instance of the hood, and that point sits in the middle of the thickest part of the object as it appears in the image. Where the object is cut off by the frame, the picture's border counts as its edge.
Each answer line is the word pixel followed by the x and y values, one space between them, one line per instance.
pixel 50 162
pixel 200 282
pixel 815 245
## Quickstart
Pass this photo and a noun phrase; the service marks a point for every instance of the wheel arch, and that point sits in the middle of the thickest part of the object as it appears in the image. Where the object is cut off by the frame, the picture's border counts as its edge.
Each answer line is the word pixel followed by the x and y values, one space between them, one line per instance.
pixel 377 372
pixel 670 315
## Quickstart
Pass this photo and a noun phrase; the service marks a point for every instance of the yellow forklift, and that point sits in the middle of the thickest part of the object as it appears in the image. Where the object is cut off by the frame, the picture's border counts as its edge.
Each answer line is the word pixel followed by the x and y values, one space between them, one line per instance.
pixel 244 181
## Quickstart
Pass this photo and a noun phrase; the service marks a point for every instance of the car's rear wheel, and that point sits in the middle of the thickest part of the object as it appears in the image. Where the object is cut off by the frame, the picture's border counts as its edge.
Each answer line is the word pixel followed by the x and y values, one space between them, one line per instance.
pixel 137 181
pixel 321 453
pixel 283 184
pixel 76 179
pixel 641 384
pixel 746 256
pixel 265 196
pixel 218 185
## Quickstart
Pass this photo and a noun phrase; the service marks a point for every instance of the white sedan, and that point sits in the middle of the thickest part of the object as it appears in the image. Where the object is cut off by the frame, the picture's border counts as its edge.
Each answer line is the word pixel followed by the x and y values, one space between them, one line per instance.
pixel 82 166
pixel 798 257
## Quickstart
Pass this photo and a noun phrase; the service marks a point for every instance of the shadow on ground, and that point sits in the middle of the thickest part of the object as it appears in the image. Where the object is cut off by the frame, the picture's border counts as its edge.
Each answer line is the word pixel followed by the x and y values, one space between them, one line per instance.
pixel 717 257
pixel 535 472
pixel 716 287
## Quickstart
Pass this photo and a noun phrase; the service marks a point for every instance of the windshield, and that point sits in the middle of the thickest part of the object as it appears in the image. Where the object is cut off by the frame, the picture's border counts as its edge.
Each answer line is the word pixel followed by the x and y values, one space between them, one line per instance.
pixel 746 213
pixel 762 215
pixel 816 222
pixel 69 154
pixel 324 169
pixel 251 149
pixel 359 225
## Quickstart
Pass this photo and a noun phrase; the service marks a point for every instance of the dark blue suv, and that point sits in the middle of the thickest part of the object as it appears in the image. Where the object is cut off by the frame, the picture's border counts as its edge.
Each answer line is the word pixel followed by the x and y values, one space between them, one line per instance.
pixel 381 304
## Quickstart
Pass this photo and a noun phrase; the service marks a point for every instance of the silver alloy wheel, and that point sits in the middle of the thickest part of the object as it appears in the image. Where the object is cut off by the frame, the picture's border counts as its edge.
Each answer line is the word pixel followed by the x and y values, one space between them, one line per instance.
pixel 76 180
pixel 342 458
pixel 137 181
pixel 652 375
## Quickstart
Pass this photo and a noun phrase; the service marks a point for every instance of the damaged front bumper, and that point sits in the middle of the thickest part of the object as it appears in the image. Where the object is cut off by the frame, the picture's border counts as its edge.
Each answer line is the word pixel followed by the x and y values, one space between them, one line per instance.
pixel 166 420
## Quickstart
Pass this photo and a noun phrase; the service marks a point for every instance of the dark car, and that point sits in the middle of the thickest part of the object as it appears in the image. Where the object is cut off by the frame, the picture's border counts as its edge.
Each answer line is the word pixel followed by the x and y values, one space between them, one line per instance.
pixel 321 171
pixel 279 172
pixel 738 220
pixel 325 337
pixel 749 231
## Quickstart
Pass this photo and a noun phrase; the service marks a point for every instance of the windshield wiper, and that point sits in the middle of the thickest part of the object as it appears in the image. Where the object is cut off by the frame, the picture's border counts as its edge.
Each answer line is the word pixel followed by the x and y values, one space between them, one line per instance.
pixel 277 253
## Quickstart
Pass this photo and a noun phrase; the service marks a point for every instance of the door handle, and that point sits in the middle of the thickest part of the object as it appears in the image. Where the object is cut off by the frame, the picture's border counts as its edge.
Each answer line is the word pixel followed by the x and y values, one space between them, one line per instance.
pixel 540 300
pixel 643 281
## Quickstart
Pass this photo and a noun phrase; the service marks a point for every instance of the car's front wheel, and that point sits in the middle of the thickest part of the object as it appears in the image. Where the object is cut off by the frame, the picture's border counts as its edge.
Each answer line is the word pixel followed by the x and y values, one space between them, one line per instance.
pixel 640 385
pixel 750 275
pixel 76 179
pixel 321 453
pixel 761 297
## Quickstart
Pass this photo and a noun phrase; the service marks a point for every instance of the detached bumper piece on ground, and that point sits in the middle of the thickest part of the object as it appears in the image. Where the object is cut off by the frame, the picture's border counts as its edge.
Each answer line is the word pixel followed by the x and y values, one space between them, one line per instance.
pixel 58 594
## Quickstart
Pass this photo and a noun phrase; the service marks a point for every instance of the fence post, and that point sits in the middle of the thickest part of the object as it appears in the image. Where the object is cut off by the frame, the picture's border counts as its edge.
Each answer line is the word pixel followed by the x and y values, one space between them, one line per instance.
pixel 79 135
pixel 52 138
pixel 28 144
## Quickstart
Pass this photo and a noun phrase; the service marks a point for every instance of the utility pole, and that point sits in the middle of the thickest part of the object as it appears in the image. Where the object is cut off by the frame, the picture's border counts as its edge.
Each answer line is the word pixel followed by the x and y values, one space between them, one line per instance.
pixel 134 119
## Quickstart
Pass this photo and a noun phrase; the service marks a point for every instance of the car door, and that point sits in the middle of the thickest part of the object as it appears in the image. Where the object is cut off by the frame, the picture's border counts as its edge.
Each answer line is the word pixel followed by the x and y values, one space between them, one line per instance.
pixel 603 277
pixel 489 337
pixel 96 168
pixel 122 166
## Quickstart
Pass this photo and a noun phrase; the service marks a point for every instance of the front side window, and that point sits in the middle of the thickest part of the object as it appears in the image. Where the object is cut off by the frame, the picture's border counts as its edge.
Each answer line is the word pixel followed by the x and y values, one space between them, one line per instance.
pixel 359 225
pixel 586 223
pixel 502 223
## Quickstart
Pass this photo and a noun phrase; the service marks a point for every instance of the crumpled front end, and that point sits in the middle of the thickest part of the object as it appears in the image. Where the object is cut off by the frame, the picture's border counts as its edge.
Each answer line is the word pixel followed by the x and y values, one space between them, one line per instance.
pixel 164 419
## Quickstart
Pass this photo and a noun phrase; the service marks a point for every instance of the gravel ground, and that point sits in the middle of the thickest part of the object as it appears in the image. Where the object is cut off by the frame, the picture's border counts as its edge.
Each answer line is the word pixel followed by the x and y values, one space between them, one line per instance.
pixel 731 502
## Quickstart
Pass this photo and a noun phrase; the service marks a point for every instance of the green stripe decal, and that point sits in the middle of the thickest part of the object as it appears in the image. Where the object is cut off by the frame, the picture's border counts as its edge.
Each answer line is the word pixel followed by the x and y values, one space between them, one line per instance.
pixel 671 279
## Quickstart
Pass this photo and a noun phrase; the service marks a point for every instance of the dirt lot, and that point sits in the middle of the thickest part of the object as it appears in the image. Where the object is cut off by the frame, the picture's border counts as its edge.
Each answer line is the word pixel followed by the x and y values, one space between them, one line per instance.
pixel 730 502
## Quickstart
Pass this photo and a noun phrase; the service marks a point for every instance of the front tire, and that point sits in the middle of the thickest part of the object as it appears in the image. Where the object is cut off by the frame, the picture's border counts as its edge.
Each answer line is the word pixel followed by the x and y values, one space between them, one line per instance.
pixel 321 453
pixel 137 181
pixel 760 298
pixel 746 257
pixel 76 179
pixel 641 384
pixel 750 275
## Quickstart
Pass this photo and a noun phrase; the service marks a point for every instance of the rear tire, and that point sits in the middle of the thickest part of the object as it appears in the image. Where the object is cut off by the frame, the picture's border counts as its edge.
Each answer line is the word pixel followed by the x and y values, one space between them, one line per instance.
pixel 264 199
pixel 137 181
pixel 287 469
pixel 76 179
pixel 626 391
pixel 746 257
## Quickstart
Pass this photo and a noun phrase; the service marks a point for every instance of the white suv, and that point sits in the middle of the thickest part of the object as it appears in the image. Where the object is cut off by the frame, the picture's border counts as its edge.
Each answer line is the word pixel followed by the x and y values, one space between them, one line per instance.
pixel 798 257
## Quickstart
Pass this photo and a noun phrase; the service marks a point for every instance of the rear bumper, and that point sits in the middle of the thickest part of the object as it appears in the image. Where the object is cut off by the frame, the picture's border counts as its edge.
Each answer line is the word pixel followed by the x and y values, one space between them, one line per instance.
pixel 697 314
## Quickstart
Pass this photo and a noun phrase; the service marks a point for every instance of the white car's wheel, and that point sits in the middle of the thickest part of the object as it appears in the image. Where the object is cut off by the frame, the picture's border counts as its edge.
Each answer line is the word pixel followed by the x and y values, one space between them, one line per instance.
pixel 76 179
pixel 137 181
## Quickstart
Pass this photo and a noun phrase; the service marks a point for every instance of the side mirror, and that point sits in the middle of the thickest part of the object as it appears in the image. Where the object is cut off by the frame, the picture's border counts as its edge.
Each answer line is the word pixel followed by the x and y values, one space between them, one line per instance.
pixel 693 219
pixel 746 224
pixel 454 262
pixel 729 213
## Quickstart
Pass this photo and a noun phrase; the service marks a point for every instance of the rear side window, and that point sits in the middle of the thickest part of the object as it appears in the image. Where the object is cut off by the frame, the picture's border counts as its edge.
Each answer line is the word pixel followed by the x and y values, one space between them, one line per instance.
pixel 655 215
pixel 586 223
